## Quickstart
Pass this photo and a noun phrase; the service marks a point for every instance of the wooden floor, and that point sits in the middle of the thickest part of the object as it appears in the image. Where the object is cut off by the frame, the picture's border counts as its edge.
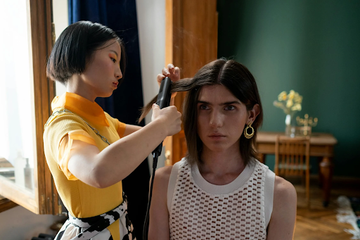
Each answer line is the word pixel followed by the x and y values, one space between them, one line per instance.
pixel 318 222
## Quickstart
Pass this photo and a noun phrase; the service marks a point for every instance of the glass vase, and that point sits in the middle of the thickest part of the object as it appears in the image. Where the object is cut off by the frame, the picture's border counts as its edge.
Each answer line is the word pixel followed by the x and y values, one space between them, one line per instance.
pixel 289 128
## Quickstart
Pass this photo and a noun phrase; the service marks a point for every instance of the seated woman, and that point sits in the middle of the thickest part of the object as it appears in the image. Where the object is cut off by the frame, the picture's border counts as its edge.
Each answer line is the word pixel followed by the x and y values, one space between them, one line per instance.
pixel 219 190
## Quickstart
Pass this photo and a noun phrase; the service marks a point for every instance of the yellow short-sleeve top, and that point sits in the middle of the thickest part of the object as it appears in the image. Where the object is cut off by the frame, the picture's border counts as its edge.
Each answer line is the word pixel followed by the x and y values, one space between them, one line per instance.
pixel 80 199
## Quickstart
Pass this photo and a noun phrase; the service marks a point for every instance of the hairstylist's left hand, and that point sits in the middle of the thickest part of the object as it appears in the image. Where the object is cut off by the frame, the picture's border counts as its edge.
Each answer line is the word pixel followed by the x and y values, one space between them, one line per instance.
pixel 170 71
pixel 173 73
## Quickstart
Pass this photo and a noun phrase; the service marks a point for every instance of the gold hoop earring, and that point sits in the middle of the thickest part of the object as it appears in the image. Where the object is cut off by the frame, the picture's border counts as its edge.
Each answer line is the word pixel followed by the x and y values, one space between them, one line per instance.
pixel 249 135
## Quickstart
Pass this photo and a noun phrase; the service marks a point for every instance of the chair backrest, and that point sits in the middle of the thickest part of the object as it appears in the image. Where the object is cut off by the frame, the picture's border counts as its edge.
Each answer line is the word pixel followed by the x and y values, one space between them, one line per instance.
pixel 291 155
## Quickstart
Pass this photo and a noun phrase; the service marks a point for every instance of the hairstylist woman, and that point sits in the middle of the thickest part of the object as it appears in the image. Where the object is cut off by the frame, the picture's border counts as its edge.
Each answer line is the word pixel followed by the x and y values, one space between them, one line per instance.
pixel 88 152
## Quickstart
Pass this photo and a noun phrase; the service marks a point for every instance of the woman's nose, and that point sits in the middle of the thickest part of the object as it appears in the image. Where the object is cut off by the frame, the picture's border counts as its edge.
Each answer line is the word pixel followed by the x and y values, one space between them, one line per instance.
pixel 215 119
pixel 118 73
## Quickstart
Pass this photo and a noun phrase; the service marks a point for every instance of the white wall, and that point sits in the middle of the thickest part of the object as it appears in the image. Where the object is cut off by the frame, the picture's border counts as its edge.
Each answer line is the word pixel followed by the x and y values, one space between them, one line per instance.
pixel 151 25
pixel 61 20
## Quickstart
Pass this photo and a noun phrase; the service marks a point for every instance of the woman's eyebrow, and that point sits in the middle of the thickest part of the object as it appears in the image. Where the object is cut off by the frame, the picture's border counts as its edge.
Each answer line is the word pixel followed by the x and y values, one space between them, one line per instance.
pixel 224 103
pixel 114 52
pixel 231 102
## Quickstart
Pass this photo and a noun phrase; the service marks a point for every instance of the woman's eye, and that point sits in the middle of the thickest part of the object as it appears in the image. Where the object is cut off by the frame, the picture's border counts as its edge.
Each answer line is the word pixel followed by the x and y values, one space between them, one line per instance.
pixel 113 59
pixel 203 107
pixel 229 108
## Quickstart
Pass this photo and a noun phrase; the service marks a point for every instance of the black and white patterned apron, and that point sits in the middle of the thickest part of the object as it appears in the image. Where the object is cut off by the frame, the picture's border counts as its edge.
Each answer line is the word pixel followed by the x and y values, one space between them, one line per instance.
pixel 95 228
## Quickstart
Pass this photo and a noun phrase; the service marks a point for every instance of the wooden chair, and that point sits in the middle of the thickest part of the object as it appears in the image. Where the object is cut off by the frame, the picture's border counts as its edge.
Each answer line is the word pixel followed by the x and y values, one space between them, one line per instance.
pixel 292 159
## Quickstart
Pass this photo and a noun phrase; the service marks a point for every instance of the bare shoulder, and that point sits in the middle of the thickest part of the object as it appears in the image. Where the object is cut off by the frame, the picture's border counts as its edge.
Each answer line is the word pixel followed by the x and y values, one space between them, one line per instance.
pixel 162 176
pixel 284 187
pixel 284 191
pixel 163 173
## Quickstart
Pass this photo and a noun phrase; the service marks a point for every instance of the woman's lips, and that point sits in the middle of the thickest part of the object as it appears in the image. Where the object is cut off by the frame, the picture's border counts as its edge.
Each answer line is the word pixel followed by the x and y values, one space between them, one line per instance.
pixel 216 136
pixel 115 84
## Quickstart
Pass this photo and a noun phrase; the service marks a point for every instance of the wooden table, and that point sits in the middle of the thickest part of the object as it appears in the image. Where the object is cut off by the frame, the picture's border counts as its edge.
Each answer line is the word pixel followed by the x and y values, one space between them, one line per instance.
pixel 321 146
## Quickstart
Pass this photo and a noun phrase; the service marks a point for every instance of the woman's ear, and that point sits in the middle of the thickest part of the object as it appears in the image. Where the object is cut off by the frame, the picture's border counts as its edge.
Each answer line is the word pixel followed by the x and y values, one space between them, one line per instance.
pixel 253 113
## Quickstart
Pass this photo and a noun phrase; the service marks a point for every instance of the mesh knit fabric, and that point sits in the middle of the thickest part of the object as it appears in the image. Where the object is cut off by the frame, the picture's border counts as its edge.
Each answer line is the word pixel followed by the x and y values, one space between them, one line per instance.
pixel 196 214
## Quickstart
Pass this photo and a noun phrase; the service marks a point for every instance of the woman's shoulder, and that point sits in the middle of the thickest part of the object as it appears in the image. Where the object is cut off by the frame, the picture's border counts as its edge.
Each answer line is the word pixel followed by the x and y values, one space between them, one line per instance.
pixel 163 172
pixel 284 191
pixel 60 124
pixel 63 118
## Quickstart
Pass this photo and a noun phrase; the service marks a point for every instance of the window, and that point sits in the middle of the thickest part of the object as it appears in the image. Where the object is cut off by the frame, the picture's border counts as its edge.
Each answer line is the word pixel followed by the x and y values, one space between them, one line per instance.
pixel 25 95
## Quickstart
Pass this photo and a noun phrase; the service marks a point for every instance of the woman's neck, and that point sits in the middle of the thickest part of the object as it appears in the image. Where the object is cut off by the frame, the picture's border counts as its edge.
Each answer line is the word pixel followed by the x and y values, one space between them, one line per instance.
pixel 221 167
pixel 75 85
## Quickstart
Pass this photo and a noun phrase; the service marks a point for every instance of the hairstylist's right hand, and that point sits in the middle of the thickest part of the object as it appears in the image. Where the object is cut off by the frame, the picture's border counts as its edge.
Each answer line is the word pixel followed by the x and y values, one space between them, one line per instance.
pixel 170 118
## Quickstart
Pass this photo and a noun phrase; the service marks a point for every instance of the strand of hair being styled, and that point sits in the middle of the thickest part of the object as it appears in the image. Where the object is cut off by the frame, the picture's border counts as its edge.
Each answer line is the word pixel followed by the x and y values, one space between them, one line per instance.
pixel 182 85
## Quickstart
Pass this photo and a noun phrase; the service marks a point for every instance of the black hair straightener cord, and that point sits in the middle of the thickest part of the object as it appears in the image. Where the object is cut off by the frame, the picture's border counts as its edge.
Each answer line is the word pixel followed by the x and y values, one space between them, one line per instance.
pixel 163 100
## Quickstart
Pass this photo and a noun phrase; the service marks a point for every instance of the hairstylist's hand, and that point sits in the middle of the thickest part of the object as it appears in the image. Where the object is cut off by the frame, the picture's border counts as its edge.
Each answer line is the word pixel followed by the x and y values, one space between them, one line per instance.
pixel 173 73
pixel 170 118
pixel 170 71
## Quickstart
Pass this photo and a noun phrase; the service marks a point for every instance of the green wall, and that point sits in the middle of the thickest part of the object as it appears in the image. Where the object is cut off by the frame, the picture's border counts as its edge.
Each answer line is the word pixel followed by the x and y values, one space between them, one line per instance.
pixel 311 46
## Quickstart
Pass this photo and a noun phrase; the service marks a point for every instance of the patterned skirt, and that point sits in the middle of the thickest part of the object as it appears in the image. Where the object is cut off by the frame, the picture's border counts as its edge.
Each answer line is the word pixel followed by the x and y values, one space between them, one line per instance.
pixel 95 228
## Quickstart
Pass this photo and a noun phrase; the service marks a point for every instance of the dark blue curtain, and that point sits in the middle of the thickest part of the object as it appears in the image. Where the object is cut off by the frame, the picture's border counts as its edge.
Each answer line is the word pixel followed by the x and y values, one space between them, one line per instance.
pixel 125 103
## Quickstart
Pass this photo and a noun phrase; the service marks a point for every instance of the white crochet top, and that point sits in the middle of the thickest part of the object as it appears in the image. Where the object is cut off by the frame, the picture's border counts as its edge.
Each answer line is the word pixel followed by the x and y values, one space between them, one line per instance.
pixel 238 210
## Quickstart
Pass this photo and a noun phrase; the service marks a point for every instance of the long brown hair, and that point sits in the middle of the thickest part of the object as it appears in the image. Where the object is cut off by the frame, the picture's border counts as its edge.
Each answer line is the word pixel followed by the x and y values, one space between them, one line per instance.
pixel 238 80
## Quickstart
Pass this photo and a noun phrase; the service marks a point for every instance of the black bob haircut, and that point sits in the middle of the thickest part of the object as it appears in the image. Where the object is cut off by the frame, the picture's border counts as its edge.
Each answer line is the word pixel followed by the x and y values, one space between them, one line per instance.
pixel 75 47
